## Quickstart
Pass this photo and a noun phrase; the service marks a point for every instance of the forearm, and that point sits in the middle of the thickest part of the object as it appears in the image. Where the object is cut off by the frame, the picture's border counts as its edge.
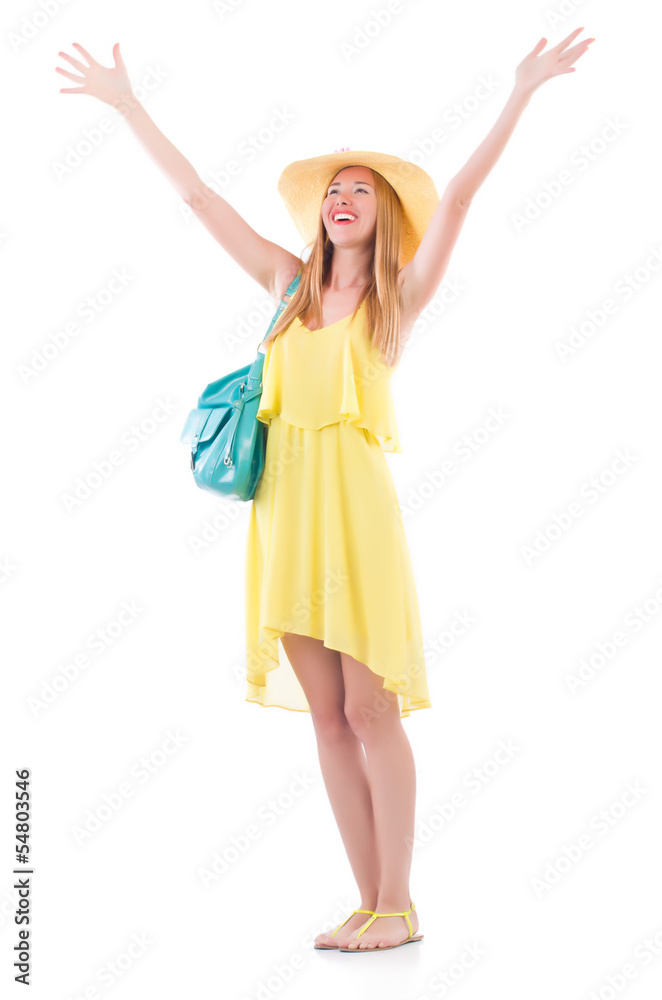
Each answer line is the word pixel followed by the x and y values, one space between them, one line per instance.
pixel 467 180
pixel 181 174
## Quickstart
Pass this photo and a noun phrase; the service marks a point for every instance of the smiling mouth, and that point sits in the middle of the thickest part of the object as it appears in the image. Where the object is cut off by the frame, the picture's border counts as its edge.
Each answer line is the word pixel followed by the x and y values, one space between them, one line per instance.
pixel 343 222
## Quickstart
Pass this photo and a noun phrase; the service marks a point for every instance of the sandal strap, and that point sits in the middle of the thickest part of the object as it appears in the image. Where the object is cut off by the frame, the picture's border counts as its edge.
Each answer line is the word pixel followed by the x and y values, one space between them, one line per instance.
pixel 404 914
pixel 349 918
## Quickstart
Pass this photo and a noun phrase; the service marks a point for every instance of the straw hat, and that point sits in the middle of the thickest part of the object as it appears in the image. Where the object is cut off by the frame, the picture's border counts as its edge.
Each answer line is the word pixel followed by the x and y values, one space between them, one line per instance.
pixel 302 186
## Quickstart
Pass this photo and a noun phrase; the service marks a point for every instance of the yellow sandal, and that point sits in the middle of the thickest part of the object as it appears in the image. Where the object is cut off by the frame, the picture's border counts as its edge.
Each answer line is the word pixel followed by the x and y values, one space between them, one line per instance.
pixel 334 947
pixel 407 940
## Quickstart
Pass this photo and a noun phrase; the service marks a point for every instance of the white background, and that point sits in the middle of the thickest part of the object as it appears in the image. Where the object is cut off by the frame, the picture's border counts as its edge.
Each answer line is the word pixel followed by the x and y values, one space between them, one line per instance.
pixel 495 873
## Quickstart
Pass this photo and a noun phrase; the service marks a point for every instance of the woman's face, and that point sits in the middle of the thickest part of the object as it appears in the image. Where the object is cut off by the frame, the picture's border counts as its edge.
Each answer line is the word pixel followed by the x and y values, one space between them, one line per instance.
pixel 352 192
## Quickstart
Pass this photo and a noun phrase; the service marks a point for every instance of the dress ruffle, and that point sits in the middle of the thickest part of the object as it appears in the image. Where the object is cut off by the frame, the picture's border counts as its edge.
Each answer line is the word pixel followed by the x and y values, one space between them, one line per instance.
pixel 354 385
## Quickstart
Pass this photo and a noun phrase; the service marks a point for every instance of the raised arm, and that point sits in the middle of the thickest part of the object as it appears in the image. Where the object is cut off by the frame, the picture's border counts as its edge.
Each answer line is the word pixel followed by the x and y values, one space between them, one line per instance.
pixel 420 278
pixel 269 264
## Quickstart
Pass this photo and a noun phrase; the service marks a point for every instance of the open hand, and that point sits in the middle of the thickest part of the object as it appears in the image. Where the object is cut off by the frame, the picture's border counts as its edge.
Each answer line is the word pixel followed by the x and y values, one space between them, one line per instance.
pixel 534 69
pixel 109 85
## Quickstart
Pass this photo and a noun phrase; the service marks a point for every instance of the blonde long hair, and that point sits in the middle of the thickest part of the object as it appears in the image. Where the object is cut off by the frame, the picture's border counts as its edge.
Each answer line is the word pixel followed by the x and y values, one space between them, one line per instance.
pixel 380 294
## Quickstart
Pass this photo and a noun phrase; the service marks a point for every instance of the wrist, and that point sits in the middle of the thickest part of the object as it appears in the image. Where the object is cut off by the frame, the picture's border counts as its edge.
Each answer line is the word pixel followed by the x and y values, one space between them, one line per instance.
pixel 126 103
pixel 522 93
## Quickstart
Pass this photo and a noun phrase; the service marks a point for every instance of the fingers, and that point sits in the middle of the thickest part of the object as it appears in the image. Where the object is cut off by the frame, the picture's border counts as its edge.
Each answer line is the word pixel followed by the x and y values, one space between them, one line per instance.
pixel 72 76
pixel 74 62
pixel 84 53
pixel 566 41
pixel 576 51
pixel 117 56
pixel 538 47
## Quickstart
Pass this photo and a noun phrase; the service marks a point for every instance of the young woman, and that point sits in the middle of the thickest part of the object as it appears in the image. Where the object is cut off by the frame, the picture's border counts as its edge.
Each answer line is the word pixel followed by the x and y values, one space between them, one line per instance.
pixel 327 566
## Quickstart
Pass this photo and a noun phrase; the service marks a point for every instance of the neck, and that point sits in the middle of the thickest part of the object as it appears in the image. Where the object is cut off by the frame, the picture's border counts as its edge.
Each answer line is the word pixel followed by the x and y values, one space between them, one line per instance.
pixel 350 268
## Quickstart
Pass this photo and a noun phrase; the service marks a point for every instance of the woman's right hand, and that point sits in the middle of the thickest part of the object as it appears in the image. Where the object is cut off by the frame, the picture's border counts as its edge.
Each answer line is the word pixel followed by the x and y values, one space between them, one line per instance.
pixel 111 86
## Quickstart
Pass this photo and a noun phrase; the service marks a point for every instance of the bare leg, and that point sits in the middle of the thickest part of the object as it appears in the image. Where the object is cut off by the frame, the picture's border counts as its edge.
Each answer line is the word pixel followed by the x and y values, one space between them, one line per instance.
pixel 374 715
pixel 343 764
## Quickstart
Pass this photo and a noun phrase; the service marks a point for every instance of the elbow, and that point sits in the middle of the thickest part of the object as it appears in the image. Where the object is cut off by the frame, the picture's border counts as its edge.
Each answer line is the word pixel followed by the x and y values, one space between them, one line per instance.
pixel 461 198
pixel 198 197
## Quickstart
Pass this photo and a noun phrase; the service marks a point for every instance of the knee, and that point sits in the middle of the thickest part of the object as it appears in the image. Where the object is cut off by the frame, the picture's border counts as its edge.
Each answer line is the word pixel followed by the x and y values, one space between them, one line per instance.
pixel 371 721
pixel 330 723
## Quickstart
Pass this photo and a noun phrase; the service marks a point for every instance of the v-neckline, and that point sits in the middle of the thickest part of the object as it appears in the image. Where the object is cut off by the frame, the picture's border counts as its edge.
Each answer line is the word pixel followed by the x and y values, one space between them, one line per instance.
pixel 330 325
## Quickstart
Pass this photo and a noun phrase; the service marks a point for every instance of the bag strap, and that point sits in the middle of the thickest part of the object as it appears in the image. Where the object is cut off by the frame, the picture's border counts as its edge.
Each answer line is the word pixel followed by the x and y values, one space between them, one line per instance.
pixel 290 291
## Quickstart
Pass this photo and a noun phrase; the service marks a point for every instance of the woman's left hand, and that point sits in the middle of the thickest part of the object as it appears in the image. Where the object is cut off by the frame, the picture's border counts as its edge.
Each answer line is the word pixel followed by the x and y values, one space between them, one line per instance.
pixel 535 68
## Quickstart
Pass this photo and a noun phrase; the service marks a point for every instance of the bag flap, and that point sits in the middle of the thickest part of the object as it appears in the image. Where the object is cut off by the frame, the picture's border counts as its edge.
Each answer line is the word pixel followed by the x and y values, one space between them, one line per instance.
pixel 203 424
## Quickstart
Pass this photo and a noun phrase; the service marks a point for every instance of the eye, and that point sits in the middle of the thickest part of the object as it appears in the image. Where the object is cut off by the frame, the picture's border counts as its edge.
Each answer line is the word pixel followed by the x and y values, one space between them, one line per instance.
pixel 333 190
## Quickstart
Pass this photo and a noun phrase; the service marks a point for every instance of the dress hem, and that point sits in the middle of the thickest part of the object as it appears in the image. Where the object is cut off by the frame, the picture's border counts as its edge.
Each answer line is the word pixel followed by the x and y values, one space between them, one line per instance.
pixel 404 712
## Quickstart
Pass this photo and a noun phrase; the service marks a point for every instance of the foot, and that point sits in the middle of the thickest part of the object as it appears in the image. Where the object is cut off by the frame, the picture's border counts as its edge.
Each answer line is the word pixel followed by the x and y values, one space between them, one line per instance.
pixel 353 924
pixel 383 931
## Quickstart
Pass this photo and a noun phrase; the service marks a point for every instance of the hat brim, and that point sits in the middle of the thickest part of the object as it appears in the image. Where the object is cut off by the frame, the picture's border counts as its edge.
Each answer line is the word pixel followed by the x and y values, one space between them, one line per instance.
pixel 302 186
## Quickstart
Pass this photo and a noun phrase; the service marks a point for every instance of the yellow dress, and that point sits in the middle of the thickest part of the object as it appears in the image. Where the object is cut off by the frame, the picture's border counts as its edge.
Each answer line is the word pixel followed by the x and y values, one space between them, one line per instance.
pixel 326 551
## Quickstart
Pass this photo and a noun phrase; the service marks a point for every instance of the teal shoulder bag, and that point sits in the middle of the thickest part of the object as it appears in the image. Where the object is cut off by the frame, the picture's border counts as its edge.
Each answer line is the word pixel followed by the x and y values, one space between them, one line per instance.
pixel 227 441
